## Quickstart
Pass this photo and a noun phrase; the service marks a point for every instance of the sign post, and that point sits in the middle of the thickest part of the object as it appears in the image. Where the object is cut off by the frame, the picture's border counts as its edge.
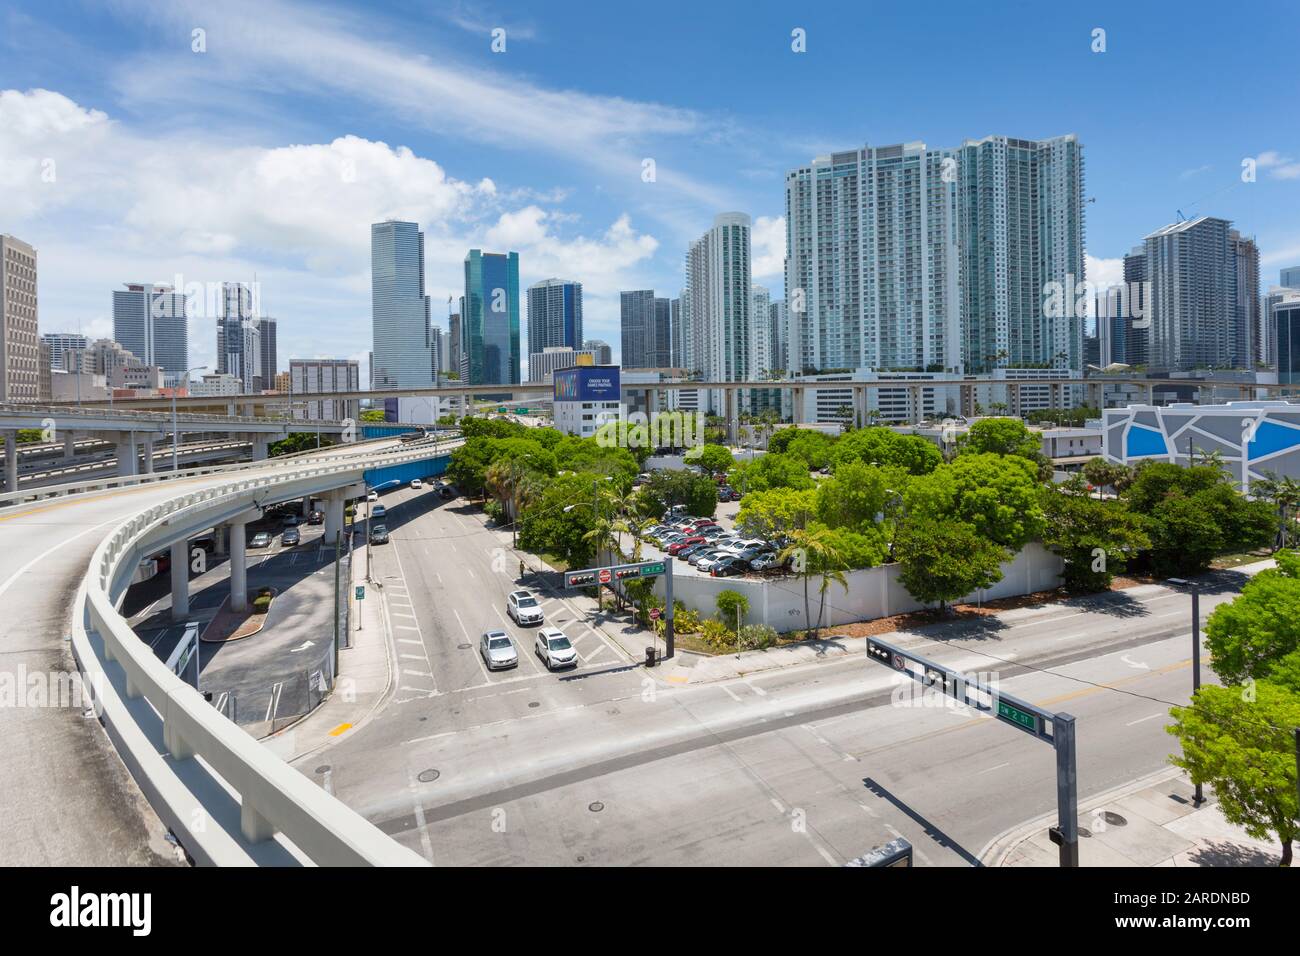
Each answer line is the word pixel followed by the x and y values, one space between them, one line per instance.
pixel 596 577
pixel 1053 728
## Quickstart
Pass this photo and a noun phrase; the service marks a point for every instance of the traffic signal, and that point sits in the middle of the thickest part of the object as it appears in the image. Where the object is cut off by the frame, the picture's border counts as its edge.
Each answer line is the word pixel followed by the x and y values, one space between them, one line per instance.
pixel 881 654
pixel 579 580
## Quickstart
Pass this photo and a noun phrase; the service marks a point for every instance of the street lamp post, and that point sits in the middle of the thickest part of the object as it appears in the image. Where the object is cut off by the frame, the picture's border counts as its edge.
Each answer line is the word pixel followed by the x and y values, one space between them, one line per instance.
pixel 1196 651
pixel 175 431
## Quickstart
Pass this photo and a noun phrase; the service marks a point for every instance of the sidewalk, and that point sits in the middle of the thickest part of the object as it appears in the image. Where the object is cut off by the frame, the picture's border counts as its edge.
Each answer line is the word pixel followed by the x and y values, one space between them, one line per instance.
pixel 1149 822
pixel 364 681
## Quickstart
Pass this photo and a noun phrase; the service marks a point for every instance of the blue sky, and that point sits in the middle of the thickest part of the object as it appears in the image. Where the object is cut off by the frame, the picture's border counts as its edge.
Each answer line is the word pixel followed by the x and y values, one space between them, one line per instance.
pixel 126 155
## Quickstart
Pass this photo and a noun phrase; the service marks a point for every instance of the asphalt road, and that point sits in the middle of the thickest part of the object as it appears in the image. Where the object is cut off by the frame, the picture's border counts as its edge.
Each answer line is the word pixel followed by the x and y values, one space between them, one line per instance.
pixel 809 765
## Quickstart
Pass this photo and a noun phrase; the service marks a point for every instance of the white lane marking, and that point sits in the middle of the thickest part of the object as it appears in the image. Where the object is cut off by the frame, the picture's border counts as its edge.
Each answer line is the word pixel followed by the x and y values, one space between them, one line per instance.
pixel 412 657
pixel 273 704
pixel 425 843
pixel 414 673
pixel 408 640
pixel 407 627
pixel 756 689
pixel 998 767
pixel 45 554
pixel 1144 719
pixel 464 629
pixel 777 803
pixel 730 693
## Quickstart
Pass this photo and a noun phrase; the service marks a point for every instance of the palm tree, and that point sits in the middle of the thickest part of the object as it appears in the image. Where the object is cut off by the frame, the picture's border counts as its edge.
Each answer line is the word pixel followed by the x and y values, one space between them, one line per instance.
pixel 515 486
pixel 812 548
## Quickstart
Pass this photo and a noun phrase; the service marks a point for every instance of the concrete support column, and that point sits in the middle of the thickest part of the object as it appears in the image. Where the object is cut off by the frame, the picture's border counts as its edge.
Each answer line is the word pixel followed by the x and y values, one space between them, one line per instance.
pixel 238 566
pixel 306 505
pixel 180 580
pixel 916 404
pixel 796 405
pixel 148 456
pixel 11 461
pixel 730 403
pixel 69 445
pixel 220 536
pixel 333 516
pixel 261 447
pixel 127 454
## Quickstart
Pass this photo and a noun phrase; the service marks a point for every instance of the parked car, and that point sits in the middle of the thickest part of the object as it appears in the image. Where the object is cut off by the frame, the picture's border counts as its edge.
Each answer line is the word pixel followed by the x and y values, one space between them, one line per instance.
pixel 685 553
pixel 742 544
pixel 724 494
pixel 498 650
pixel 767 561
pixel 260 540
pixel 554 649
pixel 727 566
pixel 677 546
pixel 316 517
pixel 446 493
pixel 379 534
pixel 752 554
pixel 290 537
pixel 523 608
pixel 736 495
pixel 710 558
pixel 417 483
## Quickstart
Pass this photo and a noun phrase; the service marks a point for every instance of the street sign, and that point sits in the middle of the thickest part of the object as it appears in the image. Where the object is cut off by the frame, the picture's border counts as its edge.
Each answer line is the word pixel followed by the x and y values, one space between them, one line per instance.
pixel 622 572
pixel 1017 717
pixel 654 613
pixel 605 576
pixel 361 592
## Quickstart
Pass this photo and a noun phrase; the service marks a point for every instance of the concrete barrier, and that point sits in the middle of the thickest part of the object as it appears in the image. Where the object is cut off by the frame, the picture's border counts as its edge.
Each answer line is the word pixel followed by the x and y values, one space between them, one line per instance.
pixel 228 799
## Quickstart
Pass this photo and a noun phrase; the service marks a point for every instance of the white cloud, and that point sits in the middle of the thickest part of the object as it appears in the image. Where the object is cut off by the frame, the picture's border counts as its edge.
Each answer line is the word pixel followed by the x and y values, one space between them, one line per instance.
pixel 768 240
pixel 1103 272
pixel 1278 166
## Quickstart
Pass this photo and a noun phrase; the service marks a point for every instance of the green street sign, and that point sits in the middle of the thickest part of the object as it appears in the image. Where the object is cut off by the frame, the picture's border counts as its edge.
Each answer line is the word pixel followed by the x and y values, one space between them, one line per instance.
pixel 1014 715
pixel 361 592
pixel 647 570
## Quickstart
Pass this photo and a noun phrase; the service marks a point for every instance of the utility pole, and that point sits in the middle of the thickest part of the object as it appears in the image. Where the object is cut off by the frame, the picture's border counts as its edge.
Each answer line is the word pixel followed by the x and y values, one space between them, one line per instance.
pixel 1199 797
pixel 338 555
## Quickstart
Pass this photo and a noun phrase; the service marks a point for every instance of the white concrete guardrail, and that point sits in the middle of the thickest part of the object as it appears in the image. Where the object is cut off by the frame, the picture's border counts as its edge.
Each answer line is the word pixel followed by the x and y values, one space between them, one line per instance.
pixel 56 412
pixel 23 496
pixel 229 799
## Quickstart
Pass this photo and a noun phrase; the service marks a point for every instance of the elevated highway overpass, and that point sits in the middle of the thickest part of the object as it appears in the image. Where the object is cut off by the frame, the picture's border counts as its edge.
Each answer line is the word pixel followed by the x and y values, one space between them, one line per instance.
pixel 139 752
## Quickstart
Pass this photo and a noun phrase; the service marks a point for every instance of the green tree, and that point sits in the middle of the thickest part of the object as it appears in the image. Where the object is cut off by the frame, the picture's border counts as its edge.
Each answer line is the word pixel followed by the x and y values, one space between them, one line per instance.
pixel 1001 436
pixel 997 494
pixel 812 447
pixel 1184 536
pixel 857 493
pixel 296 442
pixel 668 487
pixel 1103 474
pixel 732 607
pixel 885 447
pixel 942 561
pixel 767 514
pixel 856 549
pixel 809 552
pixel 772 470
pixel 1248 636
pixel 546 527
pixel 1154 481
pixel 714 459
pixel 372 415
pixel 1095 538
pixel 1241 744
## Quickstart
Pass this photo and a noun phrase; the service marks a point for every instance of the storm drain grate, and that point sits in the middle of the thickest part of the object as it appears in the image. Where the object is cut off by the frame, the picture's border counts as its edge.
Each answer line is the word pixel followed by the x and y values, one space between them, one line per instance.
pixel 596 806
pixel 428 776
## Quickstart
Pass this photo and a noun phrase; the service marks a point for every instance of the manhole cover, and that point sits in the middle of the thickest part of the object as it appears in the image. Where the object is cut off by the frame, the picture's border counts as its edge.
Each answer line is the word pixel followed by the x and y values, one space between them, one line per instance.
pixel 1085 833
pixel 1113 819
pixel 580 858
pixel 464 647
pixel 323 768
pixel 428 776
pixel 596 807
pixel 613 712
pixel 533 703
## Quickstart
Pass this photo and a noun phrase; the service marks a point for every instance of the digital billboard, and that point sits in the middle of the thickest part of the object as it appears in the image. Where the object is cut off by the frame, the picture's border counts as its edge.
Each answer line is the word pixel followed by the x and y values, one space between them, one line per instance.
pixel 593 383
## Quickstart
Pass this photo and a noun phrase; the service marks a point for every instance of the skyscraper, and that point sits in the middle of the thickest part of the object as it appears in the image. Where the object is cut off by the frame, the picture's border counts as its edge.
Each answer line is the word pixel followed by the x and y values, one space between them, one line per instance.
pixel 239 337
pixel 490 316
pixel 907 258
pixel 454 350
pixel 718 288
pixel 760 341
pixel 270 364
pixel 637 324
pixel 675 333
pixel 1250 335
pixel 1290 277
pixel 20 348
pixel 604 355
pixel 663 328
pixel 1192 270
pixel 554 314
pixel 149 322
pixel 61 343
pixel 402 355
pixel 778 331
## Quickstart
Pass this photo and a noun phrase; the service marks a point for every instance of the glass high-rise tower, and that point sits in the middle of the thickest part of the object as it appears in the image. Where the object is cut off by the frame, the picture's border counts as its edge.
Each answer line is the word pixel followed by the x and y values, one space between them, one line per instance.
pixel 490 317
pixel 554 315
pixel 403 355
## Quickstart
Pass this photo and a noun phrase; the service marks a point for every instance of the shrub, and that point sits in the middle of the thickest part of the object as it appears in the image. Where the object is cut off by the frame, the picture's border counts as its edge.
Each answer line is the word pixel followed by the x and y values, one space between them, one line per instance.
pixel 262 603
pixel 756 636
pixel 717 635
pixel 730 605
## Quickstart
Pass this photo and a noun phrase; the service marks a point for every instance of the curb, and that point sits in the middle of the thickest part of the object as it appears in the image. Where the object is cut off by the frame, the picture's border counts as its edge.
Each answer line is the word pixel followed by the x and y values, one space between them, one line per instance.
pixel 996 851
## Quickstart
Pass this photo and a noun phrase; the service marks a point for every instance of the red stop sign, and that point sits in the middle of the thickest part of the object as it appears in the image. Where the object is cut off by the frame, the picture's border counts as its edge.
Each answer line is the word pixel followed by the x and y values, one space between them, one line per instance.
pixel 654 614
pixel 606 576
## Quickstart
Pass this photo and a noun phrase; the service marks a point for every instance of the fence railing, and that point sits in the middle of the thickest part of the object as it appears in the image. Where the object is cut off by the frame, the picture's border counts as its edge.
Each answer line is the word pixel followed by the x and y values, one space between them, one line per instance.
pixel 273 797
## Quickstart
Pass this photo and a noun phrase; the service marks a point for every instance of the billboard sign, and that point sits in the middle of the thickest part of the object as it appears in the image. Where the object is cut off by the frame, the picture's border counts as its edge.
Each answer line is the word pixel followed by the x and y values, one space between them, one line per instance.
pixel 587 383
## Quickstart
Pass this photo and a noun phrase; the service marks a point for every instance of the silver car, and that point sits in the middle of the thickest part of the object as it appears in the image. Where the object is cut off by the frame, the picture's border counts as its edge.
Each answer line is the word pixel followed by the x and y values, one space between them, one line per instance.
pixel 498 650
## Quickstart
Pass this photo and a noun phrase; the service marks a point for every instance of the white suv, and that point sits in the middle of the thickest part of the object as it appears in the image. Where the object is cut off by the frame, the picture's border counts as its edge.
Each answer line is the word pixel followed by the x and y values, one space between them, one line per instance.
pixel 554 649
pixel 523 608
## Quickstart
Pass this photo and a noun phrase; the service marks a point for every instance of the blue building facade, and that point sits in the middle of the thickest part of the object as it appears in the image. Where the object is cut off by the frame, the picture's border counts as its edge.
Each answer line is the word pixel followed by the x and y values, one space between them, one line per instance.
pixel 491 317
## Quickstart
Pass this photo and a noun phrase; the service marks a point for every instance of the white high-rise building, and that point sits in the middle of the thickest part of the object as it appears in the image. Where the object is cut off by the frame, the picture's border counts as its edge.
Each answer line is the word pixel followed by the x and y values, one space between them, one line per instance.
pixel 906 258
pixel 760 336
pixel 719 283
pixel 239 337
pixel 402 355
pixel 313 376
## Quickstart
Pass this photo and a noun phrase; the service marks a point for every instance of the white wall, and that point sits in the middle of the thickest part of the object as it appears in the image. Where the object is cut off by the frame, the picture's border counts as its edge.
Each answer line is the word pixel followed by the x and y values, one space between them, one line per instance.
pixel 872 592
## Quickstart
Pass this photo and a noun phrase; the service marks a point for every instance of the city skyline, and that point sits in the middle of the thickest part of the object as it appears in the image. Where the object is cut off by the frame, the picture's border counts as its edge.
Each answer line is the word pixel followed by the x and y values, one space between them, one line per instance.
pixel 584 209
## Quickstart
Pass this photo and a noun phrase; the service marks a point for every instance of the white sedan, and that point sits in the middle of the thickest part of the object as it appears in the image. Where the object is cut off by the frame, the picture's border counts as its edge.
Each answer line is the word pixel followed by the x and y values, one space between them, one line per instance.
pixel 554 649
pixel 416 483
